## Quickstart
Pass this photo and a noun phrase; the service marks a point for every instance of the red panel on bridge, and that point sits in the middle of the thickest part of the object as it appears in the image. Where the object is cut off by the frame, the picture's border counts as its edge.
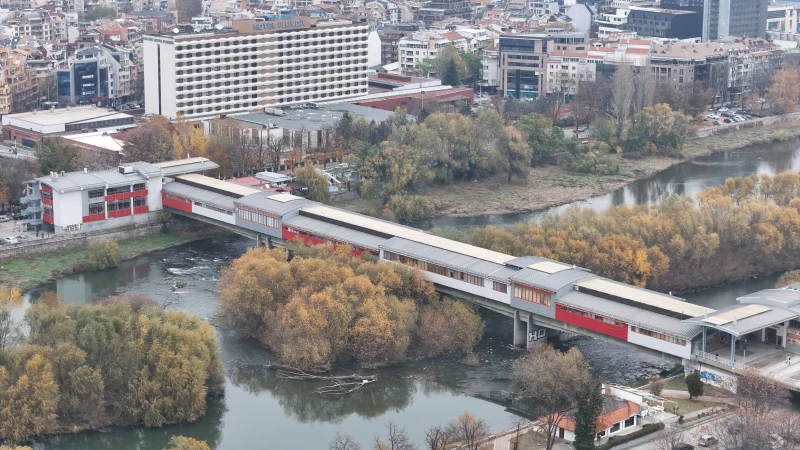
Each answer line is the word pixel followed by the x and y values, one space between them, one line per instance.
pixel 184 205
pixel 310 240
pixel 590 323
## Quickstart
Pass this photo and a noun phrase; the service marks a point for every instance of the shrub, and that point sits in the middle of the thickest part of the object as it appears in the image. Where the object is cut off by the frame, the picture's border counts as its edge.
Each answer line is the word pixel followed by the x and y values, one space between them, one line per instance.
pixel 657 386
pixel 790 277
pixel 164 218
pixel 411 208
pixel 102 255
pixel 449 326
pixel 595 161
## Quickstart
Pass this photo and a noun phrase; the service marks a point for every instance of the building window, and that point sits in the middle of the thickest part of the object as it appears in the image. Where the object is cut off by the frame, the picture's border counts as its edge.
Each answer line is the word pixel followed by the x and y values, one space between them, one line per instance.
pixel 95 193
pixel 630 421
pixel 96 208
pixel 532 295
pixel 139 201
pixel 500 287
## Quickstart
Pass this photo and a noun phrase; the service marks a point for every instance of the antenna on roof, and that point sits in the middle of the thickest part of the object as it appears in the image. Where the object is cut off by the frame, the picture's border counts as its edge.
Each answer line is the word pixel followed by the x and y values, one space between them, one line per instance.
pixel 705 314
pixel 734 320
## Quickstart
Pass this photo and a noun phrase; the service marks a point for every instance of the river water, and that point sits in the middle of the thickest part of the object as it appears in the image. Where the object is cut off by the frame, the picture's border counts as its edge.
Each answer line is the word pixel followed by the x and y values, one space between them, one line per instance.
pixel 260 411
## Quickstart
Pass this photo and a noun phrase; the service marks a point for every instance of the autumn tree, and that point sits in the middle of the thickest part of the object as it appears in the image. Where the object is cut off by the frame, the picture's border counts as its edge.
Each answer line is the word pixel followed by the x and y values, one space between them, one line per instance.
pixel 28 402
pixel 449 326
pixel 551 379
pixel 784 89
pixel 455 148
pixel 468 429
pixel 622 93
pixel 149 142
pixel 56 156
pixel 186 443
pixel 517 153
pixel 316 182
pixel 788 278
pixel 543 138
pixel 393 169
pixel 102 255
pixel 411 208
pixel 188 140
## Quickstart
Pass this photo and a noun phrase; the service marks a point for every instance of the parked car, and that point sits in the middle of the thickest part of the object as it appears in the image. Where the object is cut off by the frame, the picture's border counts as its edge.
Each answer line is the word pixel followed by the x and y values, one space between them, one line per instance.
pixel 4 219
pixel 707 440
pixel 723 109
pixel 728 114
pixel 713 116
pixel 716 122
pixel 10 240
pixel 683 447
pixel 23 238
pixel 19 216
pixel 748 117
pixel 738 119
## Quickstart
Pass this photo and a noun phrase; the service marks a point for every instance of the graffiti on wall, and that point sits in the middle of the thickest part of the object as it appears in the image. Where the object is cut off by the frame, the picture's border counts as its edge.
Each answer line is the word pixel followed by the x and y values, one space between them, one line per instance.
pixel 793 336
pixel 724 381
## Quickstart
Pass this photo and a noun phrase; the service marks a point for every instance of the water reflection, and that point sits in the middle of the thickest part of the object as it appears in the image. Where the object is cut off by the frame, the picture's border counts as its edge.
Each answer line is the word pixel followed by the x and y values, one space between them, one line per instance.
pixel 688 178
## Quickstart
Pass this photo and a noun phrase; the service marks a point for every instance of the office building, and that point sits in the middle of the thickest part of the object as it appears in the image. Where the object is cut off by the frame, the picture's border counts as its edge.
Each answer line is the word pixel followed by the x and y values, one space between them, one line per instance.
pixel 741 18
pixel 256 64
pixel 665 23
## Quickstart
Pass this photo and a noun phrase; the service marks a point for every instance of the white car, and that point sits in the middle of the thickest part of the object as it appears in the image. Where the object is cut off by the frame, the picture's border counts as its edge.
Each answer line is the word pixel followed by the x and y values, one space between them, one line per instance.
pixel 723 109
pixel 11 240
pixel 3 219
pixel 738 118
pixel 712 116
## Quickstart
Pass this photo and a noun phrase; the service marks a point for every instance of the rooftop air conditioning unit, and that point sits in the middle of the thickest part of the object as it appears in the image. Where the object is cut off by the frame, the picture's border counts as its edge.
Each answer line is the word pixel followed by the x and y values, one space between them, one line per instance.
pixel 125 170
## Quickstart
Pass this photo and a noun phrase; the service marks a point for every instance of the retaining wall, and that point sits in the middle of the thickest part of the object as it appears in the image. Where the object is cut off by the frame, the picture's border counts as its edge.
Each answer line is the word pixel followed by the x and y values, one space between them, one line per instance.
pixel 721 129
pixel 58 242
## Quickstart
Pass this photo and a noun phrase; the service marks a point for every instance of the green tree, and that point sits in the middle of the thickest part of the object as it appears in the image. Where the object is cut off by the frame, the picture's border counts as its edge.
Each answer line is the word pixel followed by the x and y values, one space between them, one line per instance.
pixel 474 66
pixel 450 75
pixel 590 406
pixel 393 169
pixel 150 142
pixel 102 255
pixel 694 384
pixel 543 137
pixel 657 130
pixel 411 208
pixel 55 156
pixel 316 183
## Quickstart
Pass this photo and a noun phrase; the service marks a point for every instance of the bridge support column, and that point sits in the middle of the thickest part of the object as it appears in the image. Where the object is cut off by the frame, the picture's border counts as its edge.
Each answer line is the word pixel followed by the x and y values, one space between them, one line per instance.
pixel 520 331
pixel 258 241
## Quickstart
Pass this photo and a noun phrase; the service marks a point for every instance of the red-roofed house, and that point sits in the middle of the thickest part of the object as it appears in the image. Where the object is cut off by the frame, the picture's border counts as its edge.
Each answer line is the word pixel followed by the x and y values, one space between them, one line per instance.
pixel 617 415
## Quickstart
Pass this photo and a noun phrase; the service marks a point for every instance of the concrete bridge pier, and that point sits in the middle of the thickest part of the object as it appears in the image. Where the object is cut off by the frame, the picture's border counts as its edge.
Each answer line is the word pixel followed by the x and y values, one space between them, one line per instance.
pixel 520 330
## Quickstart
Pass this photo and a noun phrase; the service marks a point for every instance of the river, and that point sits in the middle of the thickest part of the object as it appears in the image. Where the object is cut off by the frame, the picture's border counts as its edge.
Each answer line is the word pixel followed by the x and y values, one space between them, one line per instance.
pixel 262 411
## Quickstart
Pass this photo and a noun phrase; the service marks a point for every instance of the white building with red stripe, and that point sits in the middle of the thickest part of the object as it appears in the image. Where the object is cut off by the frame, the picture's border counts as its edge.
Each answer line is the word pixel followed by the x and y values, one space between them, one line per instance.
pixel 88 201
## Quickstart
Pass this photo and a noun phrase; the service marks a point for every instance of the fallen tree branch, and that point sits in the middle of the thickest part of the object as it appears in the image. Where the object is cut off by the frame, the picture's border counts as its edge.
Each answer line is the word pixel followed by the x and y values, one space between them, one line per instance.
pixel 342 384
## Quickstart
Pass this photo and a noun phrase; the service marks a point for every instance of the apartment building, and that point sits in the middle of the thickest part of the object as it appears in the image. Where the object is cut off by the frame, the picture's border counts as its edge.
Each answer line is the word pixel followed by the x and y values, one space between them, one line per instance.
pixel 255 64
pixel 565 69
pixel 665 23
pixel 419 47
pixel 35 23
pixel 439 10
pixel 15 81
pixel 782 17
pixel 91 76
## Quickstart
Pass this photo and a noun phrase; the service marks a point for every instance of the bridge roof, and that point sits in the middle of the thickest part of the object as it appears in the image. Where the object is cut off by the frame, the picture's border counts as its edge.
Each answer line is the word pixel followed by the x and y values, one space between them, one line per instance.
pixel 552 281
pixel 213 184
pixel 443 257
pixel 783 298
pixel 199 194
pixel 643 298
pixel 742 319
pixel 334 231
pixel 279 205
pixel 632 315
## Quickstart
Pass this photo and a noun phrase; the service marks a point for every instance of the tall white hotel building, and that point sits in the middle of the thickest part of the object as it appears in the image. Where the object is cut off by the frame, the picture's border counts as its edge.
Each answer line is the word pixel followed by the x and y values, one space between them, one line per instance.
pixel 258 63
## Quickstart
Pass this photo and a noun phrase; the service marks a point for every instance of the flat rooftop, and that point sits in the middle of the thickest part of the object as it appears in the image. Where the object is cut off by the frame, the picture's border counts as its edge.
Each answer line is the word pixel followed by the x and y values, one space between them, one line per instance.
pixel 100 139
pixel 633 295
pixel 312 119
pixel 63 115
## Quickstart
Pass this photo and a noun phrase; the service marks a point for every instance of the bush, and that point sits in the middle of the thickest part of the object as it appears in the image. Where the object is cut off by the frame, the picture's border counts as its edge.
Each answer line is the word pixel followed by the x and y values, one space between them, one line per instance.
pixel 102 255
pixel 657 386
pixel 647 428
pixel 449 326
pixel 790 277
pixel 411 208
pixel 595 161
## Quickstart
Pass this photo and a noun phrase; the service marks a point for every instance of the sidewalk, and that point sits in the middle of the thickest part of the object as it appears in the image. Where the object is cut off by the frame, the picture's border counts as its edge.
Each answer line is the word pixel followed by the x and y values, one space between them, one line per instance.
pixel 669 393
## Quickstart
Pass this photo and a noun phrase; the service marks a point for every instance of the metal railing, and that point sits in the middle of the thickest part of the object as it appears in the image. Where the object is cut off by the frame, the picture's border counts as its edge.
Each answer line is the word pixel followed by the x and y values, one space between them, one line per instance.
pixel 716 360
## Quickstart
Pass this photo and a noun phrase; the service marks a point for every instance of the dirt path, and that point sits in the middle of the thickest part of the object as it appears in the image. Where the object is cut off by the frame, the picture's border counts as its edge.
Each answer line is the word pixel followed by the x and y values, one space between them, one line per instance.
pixel 552 185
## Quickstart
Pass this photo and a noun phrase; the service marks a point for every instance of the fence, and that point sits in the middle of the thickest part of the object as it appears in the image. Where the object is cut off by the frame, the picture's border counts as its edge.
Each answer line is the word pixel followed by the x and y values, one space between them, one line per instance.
pixel 715 360
pixel 725 128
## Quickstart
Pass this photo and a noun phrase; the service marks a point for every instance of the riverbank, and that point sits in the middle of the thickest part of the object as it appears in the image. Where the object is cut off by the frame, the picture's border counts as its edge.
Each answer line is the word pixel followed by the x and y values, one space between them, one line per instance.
pixel 27 272
pixel 553 186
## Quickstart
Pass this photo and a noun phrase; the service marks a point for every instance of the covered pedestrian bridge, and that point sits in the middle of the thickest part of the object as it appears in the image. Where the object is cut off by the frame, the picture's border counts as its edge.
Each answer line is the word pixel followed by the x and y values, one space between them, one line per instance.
pixel 761 333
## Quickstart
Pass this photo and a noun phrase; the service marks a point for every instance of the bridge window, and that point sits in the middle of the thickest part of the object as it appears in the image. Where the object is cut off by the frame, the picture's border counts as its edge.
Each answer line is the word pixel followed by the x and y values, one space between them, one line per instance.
pixel 532 295
pixel 433 268
pixel 656 335
pixel 500 287
pixel 259 217
pixel 579 312
pixel 399 258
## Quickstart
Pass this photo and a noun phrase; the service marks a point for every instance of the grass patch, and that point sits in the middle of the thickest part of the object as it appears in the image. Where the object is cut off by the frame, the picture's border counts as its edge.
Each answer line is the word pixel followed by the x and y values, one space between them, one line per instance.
pixel 689 406
pixel 679 384
pixel 27 272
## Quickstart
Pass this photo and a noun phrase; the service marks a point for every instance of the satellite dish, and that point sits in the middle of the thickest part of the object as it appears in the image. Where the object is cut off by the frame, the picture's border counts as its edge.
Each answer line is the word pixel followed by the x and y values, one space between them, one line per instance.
pixel 218 26
pixel 176 31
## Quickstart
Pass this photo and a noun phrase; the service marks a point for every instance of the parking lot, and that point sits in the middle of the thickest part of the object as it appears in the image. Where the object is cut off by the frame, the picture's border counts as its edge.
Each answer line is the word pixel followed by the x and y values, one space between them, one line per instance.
pixel 14 228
